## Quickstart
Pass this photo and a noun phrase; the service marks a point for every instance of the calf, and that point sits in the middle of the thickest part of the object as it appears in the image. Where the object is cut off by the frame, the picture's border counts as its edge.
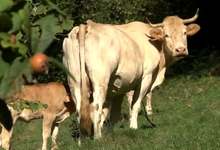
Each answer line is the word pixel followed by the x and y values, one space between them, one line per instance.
pixel 60 106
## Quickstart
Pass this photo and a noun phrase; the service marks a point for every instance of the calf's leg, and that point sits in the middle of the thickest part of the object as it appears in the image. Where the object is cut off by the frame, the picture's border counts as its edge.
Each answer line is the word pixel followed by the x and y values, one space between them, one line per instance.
pixel 48 120
pixel 5 134
pixel 55 130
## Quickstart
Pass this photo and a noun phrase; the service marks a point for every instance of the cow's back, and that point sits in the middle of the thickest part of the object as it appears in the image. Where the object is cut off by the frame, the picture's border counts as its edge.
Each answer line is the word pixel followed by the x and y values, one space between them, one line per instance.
pixel 150 49
pixel 114 54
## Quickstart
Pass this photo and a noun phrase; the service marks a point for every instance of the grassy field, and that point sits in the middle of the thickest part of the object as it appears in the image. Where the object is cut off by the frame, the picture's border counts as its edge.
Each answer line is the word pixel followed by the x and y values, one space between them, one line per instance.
pixel 186 113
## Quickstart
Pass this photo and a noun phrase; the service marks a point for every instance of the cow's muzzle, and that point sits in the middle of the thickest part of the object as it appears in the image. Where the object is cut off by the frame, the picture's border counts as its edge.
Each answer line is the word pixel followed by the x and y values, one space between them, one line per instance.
pixel 181 52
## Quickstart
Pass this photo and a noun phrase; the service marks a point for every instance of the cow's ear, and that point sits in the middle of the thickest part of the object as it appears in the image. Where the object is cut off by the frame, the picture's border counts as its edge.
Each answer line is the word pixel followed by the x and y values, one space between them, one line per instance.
pixel 156 34
pixel 192 29
pixel 67 98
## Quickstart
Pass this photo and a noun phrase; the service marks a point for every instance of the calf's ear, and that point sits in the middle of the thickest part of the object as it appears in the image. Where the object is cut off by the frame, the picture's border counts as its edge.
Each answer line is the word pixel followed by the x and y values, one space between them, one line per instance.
pixel 155 34
pixel 192 29
pixel 67 98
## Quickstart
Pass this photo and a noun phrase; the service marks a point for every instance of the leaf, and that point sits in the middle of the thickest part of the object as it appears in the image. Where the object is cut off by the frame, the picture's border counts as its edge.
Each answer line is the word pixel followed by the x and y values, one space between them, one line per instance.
pixel 25 15
pixel 16 106
pixel 67 24
pixel 45 106
pixel 5 115
pixel 38 10
pixel 21 106
pixel 25 105
pixel 6 22
pixel 3 65
pixel 4 36
pixel 22 49
pixel 13 77
pixel 16 21
pixel 59 29
pixel 35 40
pixel 5 4
pixel 6 44
pixel 35 105
pixel 55 7
pixel 48 27
pixel 59 64
pixel 19 35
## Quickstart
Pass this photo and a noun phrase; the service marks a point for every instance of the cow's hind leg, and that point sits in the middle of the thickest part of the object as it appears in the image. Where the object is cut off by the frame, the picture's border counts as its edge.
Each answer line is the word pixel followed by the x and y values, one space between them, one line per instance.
pixel 99 96
pixel 115 113
pixel 106 107
pixel 48 120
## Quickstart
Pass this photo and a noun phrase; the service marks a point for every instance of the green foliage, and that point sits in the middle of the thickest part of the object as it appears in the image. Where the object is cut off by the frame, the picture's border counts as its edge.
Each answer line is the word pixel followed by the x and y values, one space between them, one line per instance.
pixel 204 63
pixel 28 30
pixel 47 27
pixel 124 11
pixel 23 104
pixel 13 75
pixel 113 11
pixel 5 4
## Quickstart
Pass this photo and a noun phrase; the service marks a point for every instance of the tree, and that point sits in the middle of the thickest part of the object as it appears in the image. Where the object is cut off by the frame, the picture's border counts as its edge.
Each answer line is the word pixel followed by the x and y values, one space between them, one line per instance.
pixel 26 28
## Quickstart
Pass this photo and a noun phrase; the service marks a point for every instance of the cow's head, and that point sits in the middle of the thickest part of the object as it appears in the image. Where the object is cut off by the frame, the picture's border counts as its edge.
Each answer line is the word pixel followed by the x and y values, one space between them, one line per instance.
pixel 172 32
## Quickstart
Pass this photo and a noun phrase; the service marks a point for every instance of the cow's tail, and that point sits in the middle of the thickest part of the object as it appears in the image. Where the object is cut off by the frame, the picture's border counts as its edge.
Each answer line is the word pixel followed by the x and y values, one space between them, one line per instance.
pixel 85 122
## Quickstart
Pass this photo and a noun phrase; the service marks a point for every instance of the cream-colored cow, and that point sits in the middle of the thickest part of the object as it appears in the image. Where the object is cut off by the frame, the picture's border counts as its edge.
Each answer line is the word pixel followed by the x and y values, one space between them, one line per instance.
pixel 111 60
pixel 169 34
pixel 60 106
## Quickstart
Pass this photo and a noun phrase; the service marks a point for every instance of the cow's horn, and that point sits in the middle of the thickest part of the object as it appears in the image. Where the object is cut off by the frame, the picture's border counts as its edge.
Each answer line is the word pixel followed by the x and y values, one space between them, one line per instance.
pixel 154 25
pixel 185 21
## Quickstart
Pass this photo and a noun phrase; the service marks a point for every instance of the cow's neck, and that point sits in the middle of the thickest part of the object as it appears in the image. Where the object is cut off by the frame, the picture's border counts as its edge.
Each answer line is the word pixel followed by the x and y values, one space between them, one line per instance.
pixel 162 63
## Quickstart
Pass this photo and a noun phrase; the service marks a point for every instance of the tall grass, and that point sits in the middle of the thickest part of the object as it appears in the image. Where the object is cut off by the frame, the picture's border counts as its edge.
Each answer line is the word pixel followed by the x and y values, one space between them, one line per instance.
pixel 186 115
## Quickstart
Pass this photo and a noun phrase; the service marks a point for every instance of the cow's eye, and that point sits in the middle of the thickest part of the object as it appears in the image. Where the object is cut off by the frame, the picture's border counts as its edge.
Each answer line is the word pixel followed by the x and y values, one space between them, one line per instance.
pixel 185 33
pixel 166 35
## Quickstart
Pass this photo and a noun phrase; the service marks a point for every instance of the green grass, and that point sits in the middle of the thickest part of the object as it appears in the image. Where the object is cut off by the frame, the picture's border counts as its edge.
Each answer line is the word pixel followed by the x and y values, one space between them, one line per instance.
pixel 186 112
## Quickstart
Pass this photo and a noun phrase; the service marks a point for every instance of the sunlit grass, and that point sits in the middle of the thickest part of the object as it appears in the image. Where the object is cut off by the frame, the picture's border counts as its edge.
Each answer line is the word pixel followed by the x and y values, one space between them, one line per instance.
pixel 186 113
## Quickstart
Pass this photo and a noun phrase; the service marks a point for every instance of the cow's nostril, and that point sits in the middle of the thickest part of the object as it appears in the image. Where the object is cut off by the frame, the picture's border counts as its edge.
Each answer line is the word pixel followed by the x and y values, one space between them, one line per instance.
pixel 180 49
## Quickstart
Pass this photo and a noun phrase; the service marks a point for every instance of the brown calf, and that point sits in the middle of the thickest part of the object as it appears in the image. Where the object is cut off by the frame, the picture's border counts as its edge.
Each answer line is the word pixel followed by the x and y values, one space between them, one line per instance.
pixel 60 106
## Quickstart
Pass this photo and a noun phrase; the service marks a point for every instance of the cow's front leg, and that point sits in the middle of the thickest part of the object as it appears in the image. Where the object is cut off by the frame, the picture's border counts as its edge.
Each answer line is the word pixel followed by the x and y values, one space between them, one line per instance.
pixel 148 107
pixel 130 98
pixel 158 81
pixel 139 94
